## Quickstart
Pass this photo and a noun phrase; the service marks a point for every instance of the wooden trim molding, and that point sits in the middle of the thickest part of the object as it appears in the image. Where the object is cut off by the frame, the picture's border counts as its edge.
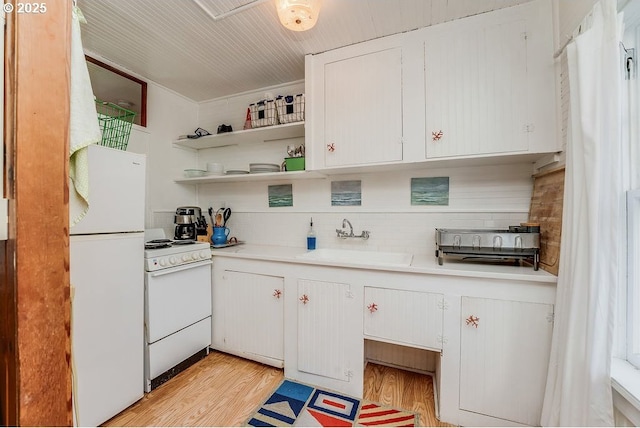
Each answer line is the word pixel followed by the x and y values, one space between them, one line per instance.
pixel 142 83
pixel 34 295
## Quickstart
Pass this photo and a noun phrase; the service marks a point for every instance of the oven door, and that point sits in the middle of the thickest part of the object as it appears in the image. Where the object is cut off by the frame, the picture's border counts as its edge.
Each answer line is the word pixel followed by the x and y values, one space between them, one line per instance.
pixel 175 298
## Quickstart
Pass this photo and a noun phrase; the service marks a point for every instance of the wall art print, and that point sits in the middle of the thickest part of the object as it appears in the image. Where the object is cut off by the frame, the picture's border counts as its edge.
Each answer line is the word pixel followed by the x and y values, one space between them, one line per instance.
pixel 280 195
pixel 346 193
pixel 430 191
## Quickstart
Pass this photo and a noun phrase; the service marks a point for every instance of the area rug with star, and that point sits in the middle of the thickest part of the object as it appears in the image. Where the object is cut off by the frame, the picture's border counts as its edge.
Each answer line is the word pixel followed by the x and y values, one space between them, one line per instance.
pixel 297 404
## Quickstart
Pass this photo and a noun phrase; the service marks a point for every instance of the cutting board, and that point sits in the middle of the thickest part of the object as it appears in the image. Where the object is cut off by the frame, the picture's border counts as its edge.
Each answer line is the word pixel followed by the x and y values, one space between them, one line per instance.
pixel 546 209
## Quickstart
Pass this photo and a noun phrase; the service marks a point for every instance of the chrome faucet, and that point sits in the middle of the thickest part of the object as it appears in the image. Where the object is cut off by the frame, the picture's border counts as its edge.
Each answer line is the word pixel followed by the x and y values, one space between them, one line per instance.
pixel 346 222
pixel 344 235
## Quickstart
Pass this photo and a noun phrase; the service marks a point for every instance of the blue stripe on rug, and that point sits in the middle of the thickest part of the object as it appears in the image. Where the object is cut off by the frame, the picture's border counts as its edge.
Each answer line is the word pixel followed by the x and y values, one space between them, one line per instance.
pixel 258 423
pixel 277 416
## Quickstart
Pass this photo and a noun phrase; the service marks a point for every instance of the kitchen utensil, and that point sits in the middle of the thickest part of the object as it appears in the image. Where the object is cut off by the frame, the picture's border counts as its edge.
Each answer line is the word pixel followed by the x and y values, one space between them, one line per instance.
pixel 225 216
pixel 211 216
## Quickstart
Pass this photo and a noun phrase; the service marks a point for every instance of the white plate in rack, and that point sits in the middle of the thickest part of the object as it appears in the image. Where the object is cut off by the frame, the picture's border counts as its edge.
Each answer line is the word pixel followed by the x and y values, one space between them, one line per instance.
pixel 236 172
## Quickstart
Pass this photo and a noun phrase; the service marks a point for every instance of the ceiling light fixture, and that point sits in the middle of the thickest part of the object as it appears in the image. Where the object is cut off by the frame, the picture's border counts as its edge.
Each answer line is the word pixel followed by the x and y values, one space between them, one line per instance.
pixel 298 15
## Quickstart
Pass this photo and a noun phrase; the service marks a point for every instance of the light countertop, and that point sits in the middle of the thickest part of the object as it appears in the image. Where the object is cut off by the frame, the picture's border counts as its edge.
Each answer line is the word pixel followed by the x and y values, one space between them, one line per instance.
pixel 421 264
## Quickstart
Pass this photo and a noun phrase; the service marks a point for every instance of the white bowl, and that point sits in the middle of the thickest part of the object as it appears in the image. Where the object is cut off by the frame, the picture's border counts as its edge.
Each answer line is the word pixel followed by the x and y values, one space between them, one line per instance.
pixel 215 168
pixel 190 173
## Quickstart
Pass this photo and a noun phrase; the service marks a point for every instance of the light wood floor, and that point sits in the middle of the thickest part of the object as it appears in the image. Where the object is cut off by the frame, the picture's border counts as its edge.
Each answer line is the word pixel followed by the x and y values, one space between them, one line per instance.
pixel 224 390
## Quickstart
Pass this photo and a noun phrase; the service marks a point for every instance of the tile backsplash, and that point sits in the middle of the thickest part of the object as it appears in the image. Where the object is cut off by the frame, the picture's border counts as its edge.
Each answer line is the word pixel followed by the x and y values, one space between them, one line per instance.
pixel 390 231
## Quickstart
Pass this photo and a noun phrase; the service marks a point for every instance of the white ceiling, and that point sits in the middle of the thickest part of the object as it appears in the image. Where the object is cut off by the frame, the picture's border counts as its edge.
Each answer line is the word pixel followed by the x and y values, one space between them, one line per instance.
pixel 177 45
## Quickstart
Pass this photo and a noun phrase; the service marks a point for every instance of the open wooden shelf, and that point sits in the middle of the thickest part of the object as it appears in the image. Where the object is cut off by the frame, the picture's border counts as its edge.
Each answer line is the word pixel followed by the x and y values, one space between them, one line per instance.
pixel 249 136
pixel 290 175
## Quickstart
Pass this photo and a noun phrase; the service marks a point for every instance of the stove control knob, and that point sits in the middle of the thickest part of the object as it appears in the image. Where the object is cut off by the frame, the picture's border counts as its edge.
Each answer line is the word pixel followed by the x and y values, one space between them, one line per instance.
pixel 195 256
pixel 203 254
pixel 163 262
pixel 186 258
pixel 173 260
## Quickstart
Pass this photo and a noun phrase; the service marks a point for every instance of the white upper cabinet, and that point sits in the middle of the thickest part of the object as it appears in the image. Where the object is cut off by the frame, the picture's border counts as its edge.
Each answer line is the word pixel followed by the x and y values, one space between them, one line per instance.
pixel 489 84
pixel 474 87
pixel 354 105
pixel 474 82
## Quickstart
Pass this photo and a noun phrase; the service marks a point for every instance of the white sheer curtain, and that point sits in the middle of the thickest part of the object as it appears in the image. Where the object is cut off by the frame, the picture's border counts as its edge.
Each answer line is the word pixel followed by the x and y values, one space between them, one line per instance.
pixel 578 391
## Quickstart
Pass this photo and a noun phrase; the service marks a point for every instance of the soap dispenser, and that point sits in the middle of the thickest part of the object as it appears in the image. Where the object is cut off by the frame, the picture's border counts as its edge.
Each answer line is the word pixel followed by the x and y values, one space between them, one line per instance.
pixel 311 237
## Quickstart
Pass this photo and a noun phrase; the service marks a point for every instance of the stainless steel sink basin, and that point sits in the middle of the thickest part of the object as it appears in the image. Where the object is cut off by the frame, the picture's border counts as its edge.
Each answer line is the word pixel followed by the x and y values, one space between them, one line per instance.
pixel 375 258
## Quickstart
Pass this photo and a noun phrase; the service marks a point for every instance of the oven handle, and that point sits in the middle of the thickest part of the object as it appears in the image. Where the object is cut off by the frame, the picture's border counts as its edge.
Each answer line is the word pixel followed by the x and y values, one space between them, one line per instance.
pixel 181 268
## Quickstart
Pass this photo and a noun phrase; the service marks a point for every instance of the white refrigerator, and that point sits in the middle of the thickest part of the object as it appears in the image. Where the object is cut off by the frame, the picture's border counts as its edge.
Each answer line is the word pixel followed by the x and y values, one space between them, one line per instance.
pixel 107 288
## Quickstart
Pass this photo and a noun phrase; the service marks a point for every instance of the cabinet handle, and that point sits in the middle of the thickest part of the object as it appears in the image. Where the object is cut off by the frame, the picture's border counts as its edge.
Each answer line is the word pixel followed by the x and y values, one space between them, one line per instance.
pixel 331 147
pixel 372 307
pixel 277 293
pixel 435 136
pixel 304 299
pixel 472 320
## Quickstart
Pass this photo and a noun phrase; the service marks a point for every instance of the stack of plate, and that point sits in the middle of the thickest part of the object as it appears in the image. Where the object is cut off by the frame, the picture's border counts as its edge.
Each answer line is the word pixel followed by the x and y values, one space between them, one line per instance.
pixel 255 168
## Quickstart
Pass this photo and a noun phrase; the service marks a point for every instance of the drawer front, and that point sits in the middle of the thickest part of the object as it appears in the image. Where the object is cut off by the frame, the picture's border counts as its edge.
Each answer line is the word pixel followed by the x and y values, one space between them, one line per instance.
pixel 406 317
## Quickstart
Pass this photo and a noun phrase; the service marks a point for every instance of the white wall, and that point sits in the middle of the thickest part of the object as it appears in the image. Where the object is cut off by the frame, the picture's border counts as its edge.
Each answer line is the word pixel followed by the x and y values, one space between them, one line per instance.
pixel 168 115
pixel 233 110
pixel 488 196
pixel 479 197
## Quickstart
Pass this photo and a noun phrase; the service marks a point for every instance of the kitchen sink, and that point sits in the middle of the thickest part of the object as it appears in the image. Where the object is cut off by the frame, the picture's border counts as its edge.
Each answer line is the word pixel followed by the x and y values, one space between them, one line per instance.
pixel 358 257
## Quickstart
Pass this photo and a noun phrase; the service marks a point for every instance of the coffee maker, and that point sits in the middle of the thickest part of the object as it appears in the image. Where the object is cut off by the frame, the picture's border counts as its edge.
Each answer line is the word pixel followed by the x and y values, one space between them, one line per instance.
pixel 189 223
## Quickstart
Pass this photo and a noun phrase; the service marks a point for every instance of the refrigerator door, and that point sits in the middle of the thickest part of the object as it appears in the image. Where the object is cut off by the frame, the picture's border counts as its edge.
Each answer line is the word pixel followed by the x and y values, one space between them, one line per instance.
pixel 116 192
pixel 107 329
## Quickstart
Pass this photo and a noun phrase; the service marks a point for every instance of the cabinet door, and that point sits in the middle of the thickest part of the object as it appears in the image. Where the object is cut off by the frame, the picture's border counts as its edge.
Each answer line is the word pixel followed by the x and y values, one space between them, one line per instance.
pixel 327 343
pixel 254 314
pixel 363 109
pixel 406 317
pixel 475 89
pixel 504 356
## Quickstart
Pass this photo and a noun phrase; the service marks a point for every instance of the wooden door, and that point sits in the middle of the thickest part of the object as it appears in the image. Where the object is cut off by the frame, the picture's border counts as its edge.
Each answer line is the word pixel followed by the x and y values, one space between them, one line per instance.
pixel 475 89
pixel 254 314
pixel 504 355
pixel 363 109
pixel 405 317
pixel 35 347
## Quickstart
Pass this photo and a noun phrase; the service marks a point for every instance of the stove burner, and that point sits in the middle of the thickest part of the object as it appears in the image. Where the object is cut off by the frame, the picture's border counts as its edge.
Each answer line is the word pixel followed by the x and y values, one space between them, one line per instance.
pixel 157 243
pixel 185 242
pixel 153 246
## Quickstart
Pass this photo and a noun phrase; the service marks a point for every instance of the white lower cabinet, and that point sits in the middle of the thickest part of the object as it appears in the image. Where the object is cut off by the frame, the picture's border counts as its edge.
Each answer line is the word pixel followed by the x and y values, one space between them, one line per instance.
pixel 504 355
pixel 248 315
pixel 489 338
pixel 403 317
pixel 325 339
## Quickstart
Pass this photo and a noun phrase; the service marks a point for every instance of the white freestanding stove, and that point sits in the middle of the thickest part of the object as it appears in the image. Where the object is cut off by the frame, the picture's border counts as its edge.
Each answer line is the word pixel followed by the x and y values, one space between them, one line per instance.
pixel 177 310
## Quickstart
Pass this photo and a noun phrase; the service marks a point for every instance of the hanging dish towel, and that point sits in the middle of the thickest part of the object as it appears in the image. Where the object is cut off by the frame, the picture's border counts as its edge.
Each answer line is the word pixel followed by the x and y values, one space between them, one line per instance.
pixel 83 125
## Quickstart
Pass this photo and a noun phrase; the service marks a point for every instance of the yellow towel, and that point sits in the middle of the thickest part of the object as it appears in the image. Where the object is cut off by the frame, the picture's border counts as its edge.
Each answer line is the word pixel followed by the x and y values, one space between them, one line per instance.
pixel 83 125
